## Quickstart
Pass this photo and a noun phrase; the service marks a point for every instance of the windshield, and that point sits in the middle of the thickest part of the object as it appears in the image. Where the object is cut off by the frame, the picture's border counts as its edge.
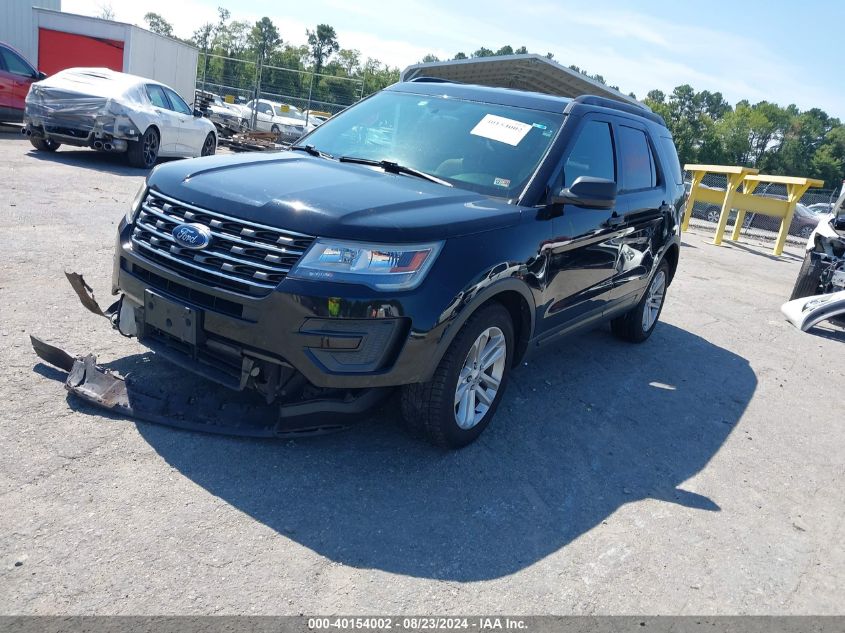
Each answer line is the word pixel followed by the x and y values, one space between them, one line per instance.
pixel 484 147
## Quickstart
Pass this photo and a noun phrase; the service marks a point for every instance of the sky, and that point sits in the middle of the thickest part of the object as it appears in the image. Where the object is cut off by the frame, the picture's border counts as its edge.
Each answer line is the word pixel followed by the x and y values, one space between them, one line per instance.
pixel 779 51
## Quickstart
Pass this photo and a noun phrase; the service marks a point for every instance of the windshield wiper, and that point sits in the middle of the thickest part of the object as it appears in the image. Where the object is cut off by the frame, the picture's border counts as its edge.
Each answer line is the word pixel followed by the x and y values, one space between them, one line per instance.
pixel 311 150
pixel 394 168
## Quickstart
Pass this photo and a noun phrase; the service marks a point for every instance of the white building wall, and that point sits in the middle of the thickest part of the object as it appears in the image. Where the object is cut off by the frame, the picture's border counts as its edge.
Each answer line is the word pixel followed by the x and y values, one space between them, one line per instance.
pixel 16 25
pixel 162 58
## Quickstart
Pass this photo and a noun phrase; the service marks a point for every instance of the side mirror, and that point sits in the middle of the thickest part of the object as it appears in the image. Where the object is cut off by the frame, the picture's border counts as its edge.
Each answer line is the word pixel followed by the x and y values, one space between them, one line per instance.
pixel 198 113
pixel 587 191
pixel 40 75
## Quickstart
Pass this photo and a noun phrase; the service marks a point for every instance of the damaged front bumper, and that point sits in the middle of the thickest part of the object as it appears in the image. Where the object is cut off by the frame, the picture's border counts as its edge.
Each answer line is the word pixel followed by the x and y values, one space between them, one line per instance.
pixel 298 410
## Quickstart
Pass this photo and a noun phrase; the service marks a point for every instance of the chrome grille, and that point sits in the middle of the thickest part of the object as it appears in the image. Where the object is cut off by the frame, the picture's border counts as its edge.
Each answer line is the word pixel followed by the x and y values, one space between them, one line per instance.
pixel 242 256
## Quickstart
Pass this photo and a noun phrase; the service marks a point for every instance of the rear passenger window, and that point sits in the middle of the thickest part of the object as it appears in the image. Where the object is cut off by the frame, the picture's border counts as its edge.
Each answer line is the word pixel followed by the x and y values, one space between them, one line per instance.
pixel 637 163
pixel 671 155
pixel 591 155
pixel 157 96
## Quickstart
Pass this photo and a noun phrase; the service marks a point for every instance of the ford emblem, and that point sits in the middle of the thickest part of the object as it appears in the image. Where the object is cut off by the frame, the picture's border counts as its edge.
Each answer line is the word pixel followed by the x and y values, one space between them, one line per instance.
pixel 194 236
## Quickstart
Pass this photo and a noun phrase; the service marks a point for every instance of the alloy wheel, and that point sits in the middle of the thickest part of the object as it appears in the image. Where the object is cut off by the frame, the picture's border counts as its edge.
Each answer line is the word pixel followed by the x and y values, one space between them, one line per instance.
pixel 150 147
pixel 480 377
pixel 208 146
pixel 654 300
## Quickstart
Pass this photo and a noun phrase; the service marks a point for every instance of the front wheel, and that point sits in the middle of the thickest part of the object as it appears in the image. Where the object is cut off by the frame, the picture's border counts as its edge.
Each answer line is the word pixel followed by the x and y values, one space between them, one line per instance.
pixel 209 146
pixel 805 232
pixel 638 324
pixel 44 144
pixel 809 278
pixel 456 405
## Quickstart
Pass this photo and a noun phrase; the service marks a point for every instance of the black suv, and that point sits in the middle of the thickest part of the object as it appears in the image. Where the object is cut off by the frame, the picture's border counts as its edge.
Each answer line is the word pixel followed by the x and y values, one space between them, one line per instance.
pixel 426 238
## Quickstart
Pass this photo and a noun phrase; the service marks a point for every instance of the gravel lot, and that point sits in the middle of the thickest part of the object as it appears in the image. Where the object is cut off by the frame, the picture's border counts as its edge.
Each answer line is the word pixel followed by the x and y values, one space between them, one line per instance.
pixel 699 473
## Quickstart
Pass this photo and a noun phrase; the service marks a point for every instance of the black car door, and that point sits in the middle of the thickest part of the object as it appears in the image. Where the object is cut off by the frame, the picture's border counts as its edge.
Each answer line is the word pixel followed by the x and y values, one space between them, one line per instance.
pixel 582 253
pixel 643 202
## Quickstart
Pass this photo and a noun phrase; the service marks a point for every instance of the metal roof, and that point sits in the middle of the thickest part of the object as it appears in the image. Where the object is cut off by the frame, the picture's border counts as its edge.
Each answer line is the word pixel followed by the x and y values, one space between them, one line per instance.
pixel 488 94
pixel 522 72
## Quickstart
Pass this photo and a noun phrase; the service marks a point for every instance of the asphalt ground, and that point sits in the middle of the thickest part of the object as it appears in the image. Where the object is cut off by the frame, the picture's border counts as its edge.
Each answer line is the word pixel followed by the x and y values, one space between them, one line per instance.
pixel 698 473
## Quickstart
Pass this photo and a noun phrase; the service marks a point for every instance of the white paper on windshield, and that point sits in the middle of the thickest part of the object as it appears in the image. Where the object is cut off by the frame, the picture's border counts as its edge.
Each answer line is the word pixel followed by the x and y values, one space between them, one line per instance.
pixel 499 128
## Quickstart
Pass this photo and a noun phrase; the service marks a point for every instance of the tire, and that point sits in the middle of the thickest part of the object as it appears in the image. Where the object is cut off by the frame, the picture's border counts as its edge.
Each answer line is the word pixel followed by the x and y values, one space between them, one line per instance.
pixel 209 146
pixel 275 130
pixel 430 409
pixel 807 283
pixel 712 215
pixel 636 326
pixel 805 232
pixel 144 153
pixel 44 144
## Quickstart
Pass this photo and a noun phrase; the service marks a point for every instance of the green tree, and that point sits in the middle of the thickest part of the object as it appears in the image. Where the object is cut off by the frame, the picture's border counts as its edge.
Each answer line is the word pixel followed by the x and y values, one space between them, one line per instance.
pixel 264 39
pixel 460 56
pixel 521 51
pixel 350 61
pixel 158 24
pixel 483 52
pixel 323 43
pixel 430 58
pixel 377 76
pixel 505 50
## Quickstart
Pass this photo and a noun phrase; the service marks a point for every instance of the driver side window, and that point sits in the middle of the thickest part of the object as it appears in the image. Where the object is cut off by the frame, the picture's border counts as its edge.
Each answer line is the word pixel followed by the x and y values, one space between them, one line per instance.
pixel 15 64
pixel 177 102
pixel 591 154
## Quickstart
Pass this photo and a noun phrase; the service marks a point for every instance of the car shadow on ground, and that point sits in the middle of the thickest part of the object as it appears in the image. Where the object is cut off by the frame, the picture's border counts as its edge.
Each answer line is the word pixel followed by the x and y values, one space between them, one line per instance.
pixel 585 427
pixel 756 250
pixel 112 163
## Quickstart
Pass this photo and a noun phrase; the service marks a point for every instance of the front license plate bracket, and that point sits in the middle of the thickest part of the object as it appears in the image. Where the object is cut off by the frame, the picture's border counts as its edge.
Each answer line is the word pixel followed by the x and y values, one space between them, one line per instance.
pixel 174 319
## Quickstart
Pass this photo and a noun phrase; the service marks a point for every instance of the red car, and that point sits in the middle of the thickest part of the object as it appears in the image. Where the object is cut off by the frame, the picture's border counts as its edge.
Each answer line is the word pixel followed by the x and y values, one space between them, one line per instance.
pixel 16 75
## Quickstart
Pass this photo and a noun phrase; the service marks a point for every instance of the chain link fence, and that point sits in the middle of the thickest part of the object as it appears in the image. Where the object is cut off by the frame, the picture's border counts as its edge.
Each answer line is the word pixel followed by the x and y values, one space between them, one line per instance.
pixel 240 82
pixel 813 203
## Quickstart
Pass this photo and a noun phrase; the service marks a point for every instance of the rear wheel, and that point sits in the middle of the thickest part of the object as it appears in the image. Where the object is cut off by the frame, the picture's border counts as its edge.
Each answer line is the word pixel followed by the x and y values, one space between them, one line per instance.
pixel 638 324
pixel 144 152
pixel 457 404
pixel 44 144
pixel 809 277
pixel 209 146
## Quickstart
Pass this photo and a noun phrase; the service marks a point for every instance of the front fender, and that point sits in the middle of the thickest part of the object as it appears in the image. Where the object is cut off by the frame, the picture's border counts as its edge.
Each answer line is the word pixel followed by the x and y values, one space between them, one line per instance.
pixel 469 301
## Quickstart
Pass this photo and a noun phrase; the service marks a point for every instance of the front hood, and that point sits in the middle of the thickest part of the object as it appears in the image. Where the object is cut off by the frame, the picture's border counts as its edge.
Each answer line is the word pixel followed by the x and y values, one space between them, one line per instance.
pixel 317 196
pixel 286 120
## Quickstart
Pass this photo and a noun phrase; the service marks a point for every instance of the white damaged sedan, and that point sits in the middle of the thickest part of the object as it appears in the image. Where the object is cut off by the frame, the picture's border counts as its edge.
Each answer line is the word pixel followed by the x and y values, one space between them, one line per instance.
pixel 115 112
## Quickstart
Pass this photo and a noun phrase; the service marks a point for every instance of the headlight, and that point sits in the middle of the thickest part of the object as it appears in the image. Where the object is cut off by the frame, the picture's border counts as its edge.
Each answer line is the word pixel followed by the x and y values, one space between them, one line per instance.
pixel 132 211
pixel 380 266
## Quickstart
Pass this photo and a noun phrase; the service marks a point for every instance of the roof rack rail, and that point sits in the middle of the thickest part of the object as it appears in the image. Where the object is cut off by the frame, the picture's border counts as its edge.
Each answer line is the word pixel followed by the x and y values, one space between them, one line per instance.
pixel 613 104
pixel 433 80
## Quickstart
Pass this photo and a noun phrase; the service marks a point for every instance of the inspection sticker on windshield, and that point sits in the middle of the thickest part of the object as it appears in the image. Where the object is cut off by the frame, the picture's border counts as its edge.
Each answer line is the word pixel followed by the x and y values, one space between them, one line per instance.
pixel 502 182
pixel 498 128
